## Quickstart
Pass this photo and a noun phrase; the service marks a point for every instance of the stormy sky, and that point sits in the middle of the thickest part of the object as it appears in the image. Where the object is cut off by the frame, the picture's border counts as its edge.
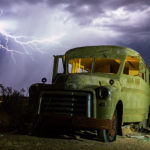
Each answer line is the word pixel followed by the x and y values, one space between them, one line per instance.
pixel 32 31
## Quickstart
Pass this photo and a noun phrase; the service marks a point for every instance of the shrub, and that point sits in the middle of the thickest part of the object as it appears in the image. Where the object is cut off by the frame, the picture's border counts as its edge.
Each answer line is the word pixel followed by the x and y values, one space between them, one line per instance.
pixel 15 104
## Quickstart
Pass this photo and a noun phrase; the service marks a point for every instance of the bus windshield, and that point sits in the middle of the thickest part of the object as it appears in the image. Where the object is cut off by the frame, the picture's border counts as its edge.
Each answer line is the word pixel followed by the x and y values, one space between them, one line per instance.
pixel 102 65
pixel 80 65
pixel 106 65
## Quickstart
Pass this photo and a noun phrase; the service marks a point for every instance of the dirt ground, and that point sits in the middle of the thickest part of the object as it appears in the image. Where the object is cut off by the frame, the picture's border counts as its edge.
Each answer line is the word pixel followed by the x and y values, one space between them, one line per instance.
pixel 86 141
pixel 14 140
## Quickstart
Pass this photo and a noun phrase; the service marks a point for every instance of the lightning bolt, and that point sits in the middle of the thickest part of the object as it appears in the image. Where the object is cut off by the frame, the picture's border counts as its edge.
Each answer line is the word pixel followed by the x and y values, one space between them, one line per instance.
pixel 27 44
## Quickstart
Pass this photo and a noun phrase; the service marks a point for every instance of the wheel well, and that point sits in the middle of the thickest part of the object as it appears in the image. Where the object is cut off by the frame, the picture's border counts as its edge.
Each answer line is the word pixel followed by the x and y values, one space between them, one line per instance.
pixel 119 109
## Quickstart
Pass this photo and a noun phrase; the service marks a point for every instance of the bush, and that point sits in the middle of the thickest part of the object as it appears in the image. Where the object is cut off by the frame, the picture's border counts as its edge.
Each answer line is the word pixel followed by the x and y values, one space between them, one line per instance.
pixel 15 104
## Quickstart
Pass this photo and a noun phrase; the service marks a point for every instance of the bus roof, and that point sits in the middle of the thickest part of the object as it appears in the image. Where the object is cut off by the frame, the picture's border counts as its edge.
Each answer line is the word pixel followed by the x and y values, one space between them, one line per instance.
pixel 91 51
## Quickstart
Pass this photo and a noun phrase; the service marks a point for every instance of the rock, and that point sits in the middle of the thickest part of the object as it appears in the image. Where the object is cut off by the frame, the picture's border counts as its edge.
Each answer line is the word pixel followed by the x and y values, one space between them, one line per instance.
pixel 126 130
pixel 77 137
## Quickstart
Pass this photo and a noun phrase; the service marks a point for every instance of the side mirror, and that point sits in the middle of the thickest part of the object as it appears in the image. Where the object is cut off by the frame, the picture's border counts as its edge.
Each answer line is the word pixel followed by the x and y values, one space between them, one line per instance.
pixel 44 80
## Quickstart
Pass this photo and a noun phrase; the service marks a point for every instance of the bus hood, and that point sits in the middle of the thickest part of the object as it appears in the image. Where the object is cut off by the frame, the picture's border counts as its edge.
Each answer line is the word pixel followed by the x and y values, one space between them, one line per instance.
pixel 84 81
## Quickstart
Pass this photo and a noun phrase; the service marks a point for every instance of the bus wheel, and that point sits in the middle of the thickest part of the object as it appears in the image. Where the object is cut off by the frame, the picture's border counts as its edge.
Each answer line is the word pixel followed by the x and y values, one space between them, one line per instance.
pixel 109 135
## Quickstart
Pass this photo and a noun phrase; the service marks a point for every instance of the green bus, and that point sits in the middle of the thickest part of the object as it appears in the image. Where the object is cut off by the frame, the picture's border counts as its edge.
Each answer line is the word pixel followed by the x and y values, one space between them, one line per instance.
pixel 96 88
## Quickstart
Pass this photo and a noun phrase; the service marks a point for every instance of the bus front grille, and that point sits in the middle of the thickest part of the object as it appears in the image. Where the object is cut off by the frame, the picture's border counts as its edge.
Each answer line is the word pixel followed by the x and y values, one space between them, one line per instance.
pixel 71 103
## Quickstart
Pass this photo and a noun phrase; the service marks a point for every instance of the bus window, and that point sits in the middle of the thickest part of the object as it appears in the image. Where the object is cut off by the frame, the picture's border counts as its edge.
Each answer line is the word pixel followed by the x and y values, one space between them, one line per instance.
pixel 106 65
pixel 149 79
pixel 80 65
pixel 131 66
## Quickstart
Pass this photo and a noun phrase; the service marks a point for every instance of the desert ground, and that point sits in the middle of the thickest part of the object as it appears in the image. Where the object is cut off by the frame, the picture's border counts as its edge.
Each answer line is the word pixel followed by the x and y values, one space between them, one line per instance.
pixel 131 140
pixel 15 136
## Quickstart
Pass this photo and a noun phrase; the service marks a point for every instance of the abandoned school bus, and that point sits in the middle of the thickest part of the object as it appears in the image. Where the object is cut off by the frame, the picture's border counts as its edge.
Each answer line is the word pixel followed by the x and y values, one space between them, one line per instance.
pixel 98 88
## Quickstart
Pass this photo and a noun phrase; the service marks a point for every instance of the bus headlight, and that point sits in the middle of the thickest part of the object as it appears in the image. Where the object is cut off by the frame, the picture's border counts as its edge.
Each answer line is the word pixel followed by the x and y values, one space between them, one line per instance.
pixel 102 92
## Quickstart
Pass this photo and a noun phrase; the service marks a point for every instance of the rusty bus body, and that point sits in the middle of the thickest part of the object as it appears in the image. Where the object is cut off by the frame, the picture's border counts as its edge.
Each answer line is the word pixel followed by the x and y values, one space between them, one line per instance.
pixel 99 87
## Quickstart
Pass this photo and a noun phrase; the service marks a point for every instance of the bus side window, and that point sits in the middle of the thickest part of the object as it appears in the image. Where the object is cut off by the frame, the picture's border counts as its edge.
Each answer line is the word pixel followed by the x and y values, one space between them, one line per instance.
pixel 145 76
pixel 60 66
pixel 143 71
pixel 149 78
pixel 131 66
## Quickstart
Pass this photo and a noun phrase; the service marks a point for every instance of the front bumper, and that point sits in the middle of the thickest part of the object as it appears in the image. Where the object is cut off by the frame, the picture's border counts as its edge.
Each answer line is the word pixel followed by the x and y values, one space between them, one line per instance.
pixel 63 121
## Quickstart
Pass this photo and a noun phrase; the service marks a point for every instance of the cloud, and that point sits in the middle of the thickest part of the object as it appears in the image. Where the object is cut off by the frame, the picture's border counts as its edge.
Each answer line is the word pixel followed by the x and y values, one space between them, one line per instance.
pixel 105 20
pixel 112 13
pixel 70 24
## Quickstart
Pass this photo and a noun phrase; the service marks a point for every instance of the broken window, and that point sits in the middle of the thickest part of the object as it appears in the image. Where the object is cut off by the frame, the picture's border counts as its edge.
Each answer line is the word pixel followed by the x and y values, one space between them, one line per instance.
pixel 131 66
pixel 106 65
pixel 80 65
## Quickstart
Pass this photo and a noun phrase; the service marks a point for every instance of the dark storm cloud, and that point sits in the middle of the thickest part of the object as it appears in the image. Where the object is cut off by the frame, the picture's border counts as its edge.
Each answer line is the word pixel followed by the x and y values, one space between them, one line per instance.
pixel 82 22
pixel 82 10
pixel 94 3
pixel 73 6
pixel 76 4
pixel 76 7
pixel 9 3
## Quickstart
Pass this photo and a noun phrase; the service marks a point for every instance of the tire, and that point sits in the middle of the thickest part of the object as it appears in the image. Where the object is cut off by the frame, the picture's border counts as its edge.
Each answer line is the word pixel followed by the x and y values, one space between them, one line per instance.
pixel 148 119
pixel 109 135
